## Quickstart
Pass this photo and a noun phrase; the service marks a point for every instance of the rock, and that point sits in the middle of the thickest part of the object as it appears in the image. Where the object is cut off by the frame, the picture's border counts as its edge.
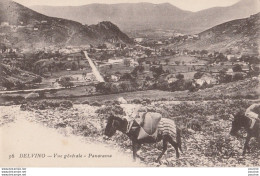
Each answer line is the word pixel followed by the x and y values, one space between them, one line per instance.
pixel 32 95
pixel 121 100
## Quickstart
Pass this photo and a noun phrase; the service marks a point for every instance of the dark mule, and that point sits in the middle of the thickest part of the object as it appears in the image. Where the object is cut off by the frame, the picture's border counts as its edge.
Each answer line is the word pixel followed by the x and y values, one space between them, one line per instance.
pixel 167 131
pixel 241 121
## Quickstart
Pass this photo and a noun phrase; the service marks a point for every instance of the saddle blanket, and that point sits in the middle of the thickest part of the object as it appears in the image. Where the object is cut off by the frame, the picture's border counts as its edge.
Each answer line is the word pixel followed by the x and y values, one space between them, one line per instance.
pixel 149 126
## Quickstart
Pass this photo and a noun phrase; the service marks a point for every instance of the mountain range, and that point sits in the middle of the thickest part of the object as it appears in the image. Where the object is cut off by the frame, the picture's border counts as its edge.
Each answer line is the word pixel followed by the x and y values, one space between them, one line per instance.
pixel 23 27
pixel 140 16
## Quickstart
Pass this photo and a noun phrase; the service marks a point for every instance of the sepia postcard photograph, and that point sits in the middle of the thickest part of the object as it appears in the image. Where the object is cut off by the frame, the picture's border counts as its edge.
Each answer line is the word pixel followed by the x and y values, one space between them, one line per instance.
pixel 120 83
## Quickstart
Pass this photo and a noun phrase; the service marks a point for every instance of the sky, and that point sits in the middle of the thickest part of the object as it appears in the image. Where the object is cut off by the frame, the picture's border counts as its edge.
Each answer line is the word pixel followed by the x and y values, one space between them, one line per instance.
pixel 191 5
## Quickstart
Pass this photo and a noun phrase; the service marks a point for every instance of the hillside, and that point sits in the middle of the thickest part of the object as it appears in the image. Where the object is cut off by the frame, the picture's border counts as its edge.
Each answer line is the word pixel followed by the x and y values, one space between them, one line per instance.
pixel 28 28
pixel 241 35
pixel 139 16
pixel 208 18
pixel 12 76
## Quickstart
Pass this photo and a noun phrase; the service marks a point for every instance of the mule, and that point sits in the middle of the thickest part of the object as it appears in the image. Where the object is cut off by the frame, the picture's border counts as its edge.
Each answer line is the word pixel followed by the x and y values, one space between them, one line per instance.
pixel 241 121
pixel 167 131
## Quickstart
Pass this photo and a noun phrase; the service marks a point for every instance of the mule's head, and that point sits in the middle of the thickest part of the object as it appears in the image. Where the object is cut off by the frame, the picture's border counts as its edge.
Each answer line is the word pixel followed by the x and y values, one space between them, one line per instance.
pixel 239 121
pixel 113 124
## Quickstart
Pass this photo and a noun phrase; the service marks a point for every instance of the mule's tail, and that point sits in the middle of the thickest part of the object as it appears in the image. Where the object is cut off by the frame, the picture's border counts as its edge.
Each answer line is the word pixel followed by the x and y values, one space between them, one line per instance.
pixel 178 139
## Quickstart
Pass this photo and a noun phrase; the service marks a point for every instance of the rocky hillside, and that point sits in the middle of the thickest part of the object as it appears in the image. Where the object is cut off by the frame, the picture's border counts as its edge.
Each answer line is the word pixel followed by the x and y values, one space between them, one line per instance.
pixel 208 18
pixel 11 76
pixel 139 16
pixel 241 35
pixel 24 27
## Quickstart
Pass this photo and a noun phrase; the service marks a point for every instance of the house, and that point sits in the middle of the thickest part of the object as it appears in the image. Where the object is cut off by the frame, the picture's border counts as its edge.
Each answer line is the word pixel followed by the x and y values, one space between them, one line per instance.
pixel 115 78
pixel 206 78
pixel 5 24
pixel 115 61
pixel 138 40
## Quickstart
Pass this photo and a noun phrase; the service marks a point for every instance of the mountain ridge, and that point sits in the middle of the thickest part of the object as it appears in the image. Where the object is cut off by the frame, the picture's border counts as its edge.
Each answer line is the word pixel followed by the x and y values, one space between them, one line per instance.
pixel 238 36
pixel 165 15
pixel 27 28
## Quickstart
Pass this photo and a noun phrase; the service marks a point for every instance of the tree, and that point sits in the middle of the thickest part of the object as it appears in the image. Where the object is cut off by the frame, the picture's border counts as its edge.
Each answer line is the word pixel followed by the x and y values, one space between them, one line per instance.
pixel 238 76
pixel 126 62
pixel 140 61
pixel 237 68
pixel 7 84
pixel 198 75
pixel 148 52
pixel 180 76
pixel 37 80
pixel 74 66
pixel 167 61
pixel 66 82
pixel 203 52
pixel 157 71
pixel 177 62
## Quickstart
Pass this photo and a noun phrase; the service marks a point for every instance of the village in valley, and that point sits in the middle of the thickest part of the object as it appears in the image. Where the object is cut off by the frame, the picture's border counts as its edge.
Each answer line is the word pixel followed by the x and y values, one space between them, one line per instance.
pixel 144 65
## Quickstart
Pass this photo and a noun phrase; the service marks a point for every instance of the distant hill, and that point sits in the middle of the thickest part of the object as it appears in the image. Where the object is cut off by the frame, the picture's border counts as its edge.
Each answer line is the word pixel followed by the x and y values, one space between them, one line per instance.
pixel 126 15
pixel 28 28
pixel 241 35
pixel 208 18
pixel 140 16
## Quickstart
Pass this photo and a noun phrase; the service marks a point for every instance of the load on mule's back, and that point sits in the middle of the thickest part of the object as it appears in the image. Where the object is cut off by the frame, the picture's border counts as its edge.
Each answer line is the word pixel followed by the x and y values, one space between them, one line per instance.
pixel 151 127
pixel 249 121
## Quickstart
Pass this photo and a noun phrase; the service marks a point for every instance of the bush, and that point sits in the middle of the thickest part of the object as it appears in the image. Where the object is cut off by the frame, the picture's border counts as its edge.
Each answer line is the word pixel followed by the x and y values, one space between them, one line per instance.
pixel 180 76
pixel 238 76
pixel 198 75
pixel 220 147
pixel 95 104
pixel 108 110
pixel 85 102
pixel 195 125
pixel 37 80
pixel 7 84
pixel 46 104
pixel 237 68
pixel 136 101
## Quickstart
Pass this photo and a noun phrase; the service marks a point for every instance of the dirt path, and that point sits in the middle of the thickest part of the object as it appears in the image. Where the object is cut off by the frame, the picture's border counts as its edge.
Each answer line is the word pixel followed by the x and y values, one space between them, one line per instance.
pixel 25 138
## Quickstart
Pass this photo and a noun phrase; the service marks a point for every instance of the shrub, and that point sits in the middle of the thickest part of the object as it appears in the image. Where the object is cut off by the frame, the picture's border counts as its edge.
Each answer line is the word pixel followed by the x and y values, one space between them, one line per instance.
pixel 7 84
pixel 237 68
pixel 198 75
pixel 38 79
pixel 238 76
pixel 220 147
pixel 195 125
pixel 136 101
pixel 46 104
pixel 180 76
pixel 95 104
pixel 85 102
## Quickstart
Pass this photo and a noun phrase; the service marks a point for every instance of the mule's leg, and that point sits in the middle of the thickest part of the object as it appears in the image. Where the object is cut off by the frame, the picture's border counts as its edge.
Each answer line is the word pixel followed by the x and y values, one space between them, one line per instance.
pixel 175 145
pixel 165 142
pixel 134 146
pixel 246 144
